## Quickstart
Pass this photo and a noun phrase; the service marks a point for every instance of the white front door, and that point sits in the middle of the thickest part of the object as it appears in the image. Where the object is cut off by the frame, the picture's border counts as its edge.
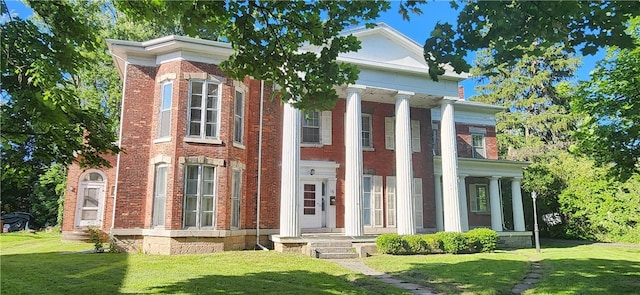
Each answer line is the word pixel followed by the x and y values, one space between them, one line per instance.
pixel 311 204
pixel 90 204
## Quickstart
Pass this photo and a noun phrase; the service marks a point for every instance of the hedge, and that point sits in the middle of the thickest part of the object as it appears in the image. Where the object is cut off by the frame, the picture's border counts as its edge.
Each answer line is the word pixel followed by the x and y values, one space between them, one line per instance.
pixel 473 241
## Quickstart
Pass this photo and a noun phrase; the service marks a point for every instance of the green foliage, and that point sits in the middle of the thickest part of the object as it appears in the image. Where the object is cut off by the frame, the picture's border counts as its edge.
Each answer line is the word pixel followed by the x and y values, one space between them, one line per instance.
pixel 535 94
pixel 508 28
pixel 97 237
pixel 453 243
pixel 610 102
pixel 390 244
pixel 415 244
pixel 271 39
pixel 434 244
pixel 48 195
pixel 482 240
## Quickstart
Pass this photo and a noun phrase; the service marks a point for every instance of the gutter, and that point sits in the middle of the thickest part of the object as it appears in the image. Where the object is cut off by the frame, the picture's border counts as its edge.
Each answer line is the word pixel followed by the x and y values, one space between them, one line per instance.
pixel 260 170
pixel 124 87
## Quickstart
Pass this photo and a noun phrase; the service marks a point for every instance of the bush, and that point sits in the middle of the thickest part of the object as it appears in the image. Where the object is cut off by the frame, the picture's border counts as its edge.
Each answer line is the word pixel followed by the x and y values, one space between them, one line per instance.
pixel 434 244
pixel 482 240
pixel 415 245
pixel 390 244
pixel 453 243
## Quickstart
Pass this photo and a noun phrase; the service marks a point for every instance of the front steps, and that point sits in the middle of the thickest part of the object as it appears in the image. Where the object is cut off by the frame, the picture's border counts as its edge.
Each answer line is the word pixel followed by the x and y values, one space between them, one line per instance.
pixel 332 250
pixel 77 235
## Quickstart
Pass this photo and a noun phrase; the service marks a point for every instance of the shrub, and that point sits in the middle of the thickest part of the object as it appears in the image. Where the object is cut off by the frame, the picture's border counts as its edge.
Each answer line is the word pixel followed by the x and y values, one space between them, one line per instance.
pixel 434 243
pixel 453 243
pixel 482 240
pixel 97 237
pixel 415 245
pixel 390 244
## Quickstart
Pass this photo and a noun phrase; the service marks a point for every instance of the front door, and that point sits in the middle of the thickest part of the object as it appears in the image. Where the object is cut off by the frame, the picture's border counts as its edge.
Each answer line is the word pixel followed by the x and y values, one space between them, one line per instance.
pixel 90 204
pixel 311 205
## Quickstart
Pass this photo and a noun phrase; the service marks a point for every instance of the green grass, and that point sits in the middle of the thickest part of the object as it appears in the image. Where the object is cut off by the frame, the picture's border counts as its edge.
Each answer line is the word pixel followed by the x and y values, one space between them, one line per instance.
pixel 41 264
pixel 482 273
pixel 589 269
pixel 586 269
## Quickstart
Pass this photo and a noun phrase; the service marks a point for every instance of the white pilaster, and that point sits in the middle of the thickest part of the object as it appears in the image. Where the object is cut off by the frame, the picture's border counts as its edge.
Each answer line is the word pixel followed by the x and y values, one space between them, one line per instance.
pixel 404 166
pixel 437 187
pixel 353 215
pixel 450 197
pixel 518 210
pixel 464 212
pixel 494 200
pixel 290 182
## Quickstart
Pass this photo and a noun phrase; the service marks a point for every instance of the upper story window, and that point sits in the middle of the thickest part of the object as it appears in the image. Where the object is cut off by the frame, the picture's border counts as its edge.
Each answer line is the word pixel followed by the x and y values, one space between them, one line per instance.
pixel 164 118
pixel 238 118
pixel 311 127
pixel 203 117
pixel 435 143
pixel 478 146
pixel 367 139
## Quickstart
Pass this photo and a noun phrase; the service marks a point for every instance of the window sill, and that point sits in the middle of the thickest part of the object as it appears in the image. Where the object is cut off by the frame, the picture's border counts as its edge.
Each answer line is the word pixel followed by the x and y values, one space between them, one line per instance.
pixel 239 145
pixel 311 145
pixel 368 149
pixel 203 140
pixel 162 139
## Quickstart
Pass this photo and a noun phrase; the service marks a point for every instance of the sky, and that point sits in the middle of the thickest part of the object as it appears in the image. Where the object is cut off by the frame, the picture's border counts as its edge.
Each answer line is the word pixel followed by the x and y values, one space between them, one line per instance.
pixel 418 28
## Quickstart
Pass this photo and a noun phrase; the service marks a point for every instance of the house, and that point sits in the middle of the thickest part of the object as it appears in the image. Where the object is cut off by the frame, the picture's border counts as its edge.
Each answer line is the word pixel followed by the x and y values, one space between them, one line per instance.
pixel 212 164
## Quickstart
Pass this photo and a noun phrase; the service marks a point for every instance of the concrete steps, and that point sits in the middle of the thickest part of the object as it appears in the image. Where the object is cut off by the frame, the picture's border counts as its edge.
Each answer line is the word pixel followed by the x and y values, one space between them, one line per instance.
pixel 78 235
pixel 332 250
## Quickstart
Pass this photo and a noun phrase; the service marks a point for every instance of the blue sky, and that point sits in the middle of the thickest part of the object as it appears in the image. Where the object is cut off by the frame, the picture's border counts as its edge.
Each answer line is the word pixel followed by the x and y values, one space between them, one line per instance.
pixel 418 29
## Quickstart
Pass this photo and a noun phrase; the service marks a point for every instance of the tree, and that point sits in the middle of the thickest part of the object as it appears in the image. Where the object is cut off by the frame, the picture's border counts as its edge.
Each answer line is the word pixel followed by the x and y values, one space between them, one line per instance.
pixel 267 38
pixel 510 27
pixel 536 94
pixel 610 103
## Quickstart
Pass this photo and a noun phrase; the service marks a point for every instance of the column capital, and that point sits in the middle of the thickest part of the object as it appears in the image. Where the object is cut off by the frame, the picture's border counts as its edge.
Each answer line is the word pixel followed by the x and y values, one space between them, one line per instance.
pixel 517 178
pixel 355 88
pixel 404 94
pixel 495 177
pixel 448 100
pixel 462 176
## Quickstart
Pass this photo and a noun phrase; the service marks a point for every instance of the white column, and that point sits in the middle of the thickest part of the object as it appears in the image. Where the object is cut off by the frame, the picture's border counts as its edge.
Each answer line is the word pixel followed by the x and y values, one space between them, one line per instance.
pixel 494 200
pixel 464 212
pixel 518 210
pixel 450 198
pixel 290 182
pixel 404 166
pixel 437 187
pixel 353 219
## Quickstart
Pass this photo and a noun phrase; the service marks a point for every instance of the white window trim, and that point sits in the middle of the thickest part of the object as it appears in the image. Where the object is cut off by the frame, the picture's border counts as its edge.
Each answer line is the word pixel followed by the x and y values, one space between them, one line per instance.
pixel 155 195
pixel 236 195
pixel 473 196
pixel 164 138
pixel 370 201
pixel 198 225
pixel 238 143
pixel 391 201
pixel 484 146
pixel 368 147
pixel 302 126
pixel 202 138
pixel 418 201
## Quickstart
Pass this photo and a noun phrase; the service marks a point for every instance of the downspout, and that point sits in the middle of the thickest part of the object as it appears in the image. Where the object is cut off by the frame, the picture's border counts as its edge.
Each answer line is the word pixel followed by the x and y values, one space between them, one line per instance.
pixel 260 170
pixel 115 194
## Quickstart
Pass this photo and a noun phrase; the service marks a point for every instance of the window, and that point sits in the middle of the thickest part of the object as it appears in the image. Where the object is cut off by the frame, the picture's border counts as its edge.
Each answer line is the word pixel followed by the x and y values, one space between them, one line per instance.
pixel 93 176
pixel 372 203
pixel 199 202
pixel 417 202
pixel 203 110
pixel 366 205
pixel 236 193
pixel 390 134
pixel 311 127
pixel 479 198
pixel 367 140
pixel 391 201
pixel 164 119
pixel 238 118
pixel 435 143
pixel 478 146
pixel 159 196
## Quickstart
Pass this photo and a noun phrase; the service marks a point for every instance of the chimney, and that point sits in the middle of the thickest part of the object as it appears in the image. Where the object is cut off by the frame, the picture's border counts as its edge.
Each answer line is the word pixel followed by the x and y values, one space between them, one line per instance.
pixel 461 92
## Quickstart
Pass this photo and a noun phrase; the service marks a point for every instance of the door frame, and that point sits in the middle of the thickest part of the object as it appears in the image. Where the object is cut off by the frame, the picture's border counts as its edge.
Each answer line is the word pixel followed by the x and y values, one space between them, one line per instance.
pixel 82 185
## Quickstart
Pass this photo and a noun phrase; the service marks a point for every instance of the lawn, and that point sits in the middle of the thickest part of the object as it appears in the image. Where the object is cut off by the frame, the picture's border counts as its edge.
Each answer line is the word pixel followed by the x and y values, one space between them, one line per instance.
pixel 584 269
pixel 41 264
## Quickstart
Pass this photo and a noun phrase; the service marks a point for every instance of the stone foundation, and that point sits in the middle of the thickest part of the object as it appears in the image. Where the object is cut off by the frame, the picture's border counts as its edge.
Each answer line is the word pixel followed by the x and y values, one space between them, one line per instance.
pixel 514 240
